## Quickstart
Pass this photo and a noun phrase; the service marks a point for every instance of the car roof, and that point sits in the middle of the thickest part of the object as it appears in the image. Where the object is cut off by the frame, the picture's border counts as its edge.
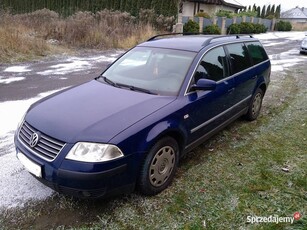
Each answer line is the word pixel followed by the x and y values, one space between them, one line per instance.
pixel 192 43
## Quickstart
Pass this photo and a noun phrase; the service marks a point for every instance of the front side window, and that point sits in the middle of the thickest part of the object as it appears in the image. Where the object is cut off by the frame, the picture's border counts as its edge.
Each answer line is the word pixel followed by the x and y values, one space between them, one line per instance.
pixel 160 71
pixel 213 66
pixel 239 57
pixel 257 52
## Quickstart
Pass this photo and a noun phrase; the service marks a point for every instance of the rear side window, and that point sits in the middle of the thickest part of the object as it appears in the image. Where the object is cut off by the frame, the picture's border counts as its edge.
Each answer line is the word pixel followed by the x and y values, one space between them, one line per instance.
pixel 213 66
pixel 239 57
pixel 256 52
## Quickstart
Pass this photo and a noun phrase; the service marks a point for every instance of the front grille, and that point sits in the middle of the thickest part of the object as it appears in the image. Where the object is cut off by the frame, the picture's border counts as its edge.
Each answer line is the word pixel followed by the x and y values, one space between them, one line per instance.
pixel 46 147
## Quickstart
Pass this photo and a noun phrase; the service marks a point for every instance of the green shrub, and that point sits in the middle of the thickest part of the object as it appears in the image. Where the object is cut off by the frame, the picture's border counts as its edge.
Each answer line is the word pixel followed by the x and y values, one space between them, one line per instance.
pixel 212 29
pixel 225 13
pixel 283 26
pixel 271 16
pixel 247 14
pixel 259 28
pixel 202 14
pixel 246 28
pixel 191 27
pixel 234 29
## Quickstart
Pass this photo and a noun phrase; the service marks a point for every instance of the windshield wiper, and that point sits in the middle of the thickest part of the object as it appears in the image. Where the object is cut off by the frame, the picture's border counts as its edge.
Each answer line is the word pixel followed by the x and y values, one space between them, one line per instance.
pixel 110 82
pixel 120 85
pixel 134 88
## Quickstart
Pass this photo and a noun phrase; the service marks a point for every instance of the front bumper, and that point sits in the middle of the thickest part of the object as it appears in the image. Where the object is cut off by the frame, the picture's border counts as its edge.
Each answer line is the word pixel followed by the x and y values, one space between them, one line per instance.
pixel 84 180
pixel 103 190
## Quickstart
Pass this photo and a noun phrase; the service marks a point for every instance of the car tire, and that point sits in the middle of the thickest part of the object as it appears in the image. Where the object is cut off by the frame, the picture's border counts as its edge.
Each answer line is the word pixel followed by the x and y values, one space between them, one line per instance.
pixel 159 167
pixel 255 105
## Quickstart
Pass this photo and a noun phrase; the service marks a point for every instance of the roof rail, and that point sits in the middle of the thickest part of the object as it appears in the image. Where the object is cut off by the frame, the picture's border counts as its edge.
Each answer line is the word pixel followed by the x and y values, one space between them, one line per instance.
pixel 206 42
pixel 169 34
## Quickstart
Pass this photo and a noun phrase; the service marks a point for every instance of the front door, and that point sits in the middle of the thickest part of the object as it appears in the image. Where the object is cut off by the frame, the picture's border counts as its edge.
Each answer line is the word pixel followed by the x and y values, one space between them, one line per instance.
pixel 207 110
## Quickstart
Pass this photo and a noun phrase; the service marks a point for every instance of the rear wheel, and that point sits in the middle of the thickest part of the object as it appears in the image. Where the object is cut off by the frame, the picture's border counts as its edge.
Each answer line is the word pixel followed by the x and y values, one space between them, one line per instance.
pixel 159 166
pixel 255 105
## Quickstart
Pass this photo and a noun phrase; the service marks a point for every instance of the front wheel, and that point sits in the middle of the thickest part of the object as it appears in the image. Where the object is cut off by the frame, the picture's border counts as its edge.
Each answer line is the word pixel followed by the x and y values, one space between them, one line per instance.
pixel 255 105
pixel 159 166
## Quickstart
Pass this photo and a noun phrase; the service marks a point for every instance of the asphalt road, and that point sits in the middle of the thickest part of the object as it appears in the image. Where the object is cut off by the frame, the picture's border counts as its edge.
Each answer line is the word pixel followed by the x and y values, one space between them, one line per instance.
pixel 27 80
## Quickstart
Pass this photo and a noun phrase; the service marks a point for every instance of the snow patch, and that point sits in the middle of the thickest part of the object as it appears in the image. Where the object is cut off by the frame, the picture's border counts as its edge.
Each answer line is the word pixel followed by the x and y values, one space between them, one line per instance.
pixel 65 68
pixel 16 109
pixel 17 185
pixel 17 69
pixel 285 60
pixel 277 35
pixel 10 80
pixel 75 64
pixel 273 43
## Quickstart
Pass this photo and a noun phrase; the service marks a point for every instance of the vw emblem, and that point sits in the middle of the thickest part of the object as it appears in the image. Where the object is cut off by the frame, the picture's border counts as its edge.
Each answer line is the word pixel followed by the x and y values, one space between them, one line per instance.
pixel 34 140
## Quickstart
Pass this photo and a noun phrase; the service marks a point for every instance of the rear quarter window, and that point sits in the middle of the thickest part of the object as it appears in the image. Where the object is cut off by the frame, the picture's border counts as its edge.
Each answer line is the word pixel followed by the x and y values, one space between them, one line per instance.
pixel 256 52
pixel 239 57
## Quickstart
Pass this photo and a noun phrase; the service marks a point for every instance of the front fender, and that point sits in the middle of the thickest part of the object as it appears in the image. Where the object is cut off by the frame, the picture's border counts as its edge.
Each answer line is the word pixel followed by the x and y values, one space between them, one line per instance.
pixel 138 140
pixel 172 128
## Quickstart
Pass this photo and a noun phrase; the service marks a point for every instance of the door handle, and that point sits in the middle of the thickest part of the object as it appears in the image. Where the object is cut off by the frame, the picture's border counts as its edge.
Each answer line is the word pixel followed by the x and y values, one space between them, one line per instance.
pixel 231 90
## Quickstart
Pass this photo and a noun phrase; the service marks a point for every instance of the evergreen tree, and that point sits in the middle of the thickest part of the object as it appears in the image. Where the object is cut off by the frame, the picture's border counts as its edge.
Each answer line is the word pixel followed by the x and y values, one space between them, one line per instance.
pixel 273 10
pixel 116 5
pixel 277 12
pixel 258 12
pixel 122 5
pixel 268 11
pixel 263 12
pixel 254 7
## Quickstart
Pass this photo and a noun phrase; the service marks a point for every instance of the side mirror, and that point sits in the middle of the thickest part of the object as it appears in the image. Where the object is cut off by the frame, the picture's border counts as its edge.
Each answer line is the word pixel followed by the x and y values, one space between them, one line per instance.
pixel 204 84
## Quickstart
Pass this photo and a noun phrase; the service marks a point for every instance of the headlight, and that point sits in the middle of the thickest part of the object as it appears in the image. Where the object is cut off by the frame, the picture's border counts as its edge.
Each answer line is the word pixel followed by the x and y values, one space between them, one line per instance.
pixel 94 152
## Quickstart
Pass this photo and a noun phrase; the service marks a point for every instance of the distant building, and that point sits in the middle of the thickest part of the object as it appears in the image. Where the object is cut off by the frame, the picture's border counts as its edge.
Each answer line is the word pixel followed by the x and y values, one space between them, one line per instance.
pixel 295 15
pixel 192 7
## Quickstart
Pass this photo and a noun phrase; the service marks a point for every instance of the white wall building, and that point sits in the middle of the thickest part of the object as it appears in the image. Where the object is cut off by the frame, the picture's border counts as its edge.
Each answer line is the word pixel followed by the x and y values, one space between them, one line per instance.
pixel 192 7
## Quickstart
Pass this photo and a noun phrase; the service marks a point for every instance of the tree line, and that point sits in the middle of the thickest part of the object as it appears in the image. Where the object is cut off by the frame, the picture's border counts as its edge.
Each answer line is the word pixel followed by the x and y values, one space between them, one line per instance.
pixel 268 12
pixel 68 7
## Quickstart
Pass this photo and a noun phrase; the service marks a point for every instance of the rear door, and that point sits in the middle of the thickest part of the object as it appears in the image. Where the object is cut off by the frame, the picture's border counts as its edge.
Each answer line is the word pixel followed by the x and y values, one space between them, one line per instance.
pixel 243 73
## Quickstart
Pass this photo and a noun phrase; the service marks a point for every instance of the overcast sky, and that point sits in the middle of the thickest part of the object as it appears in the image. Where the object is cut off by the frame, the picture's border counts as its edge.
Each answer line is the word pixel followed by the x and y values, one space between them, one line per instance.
pixel 285 4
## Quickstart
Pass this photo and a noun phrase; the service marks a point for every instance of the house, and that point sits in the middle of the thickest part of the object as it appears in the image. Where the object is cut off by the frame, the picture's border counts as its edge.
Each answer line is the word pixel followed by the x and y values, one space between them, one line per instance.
pixel 295 15
pixel 192 7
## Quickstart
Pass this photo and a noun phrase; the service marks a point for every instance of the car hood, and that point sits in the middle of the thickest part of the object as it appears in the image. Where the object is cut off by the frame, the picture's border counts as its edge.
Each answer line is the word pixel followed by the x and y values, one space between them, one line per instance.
pixel 93 112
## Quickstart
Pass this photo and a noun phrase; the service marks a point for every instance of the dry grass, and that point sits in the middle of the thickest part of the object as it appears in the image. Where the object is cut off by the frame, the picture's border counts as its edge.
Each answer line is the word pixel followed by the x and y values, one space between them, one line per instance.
pixel 26 36
pixel 17 41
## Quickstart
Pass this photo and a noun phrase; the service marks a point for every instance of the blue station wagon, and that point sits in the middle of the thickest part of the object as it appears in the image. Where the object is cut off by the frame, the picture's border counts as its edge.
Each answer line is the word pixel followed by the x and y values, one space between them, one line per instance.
pixel 128 128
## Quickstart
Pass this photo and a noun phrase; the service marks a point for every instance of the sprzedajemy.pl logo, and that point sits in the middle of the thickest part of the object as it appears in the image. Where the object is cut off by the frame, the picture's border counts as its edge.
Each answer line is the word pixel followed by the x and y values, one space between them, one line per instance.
pixel 273 219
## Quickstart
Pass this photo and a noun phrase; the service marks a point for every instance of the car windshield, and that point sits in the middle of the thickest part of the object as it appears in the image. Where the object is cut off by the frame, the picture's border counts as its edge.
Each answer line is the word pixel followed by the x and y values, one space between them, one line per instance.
pixel 153 70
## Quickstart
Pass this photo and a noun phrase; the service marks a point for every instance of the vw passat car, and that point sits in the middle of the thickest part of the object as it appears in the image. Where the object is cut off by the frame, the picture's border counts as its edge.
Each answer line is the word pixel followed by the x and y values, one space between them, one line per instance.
pixel 129 127
pixel 303 49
